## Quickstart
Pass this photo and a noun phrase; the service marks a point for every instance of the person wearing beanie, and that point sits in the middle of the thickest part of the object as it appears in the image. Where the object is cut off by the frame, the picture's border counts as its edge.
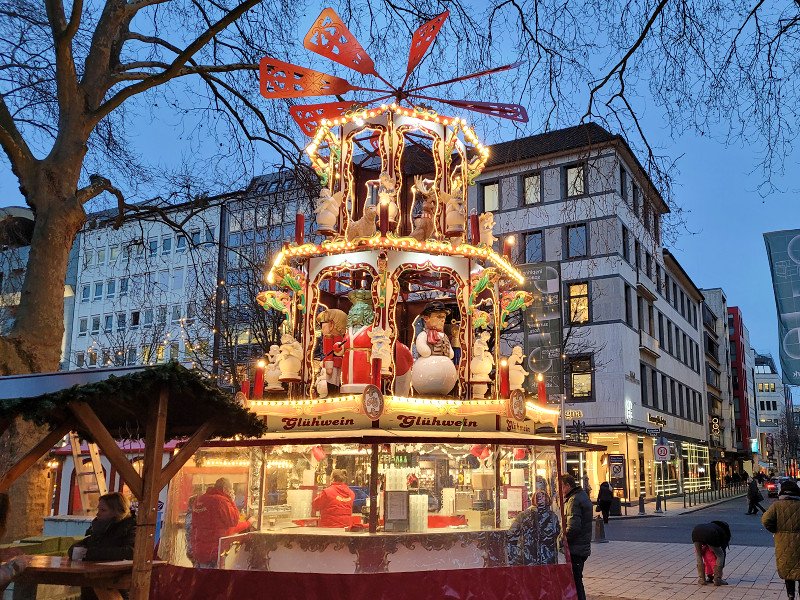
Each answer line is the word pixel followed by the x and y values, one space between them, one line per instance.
pixel 783 519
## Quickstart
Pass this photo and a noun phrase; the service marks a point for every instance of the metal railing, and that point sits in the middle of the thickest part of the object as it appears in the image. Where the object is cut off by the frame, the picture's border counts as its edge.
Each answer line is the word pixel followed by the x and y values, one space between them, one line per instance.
pixel 716 492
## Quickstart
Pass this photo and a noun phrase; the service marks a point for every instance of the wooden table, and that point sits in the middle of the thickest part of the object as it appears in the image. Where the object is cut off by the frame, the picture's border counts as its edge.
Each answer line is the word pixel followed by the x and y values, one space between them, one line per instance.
pixel 105 578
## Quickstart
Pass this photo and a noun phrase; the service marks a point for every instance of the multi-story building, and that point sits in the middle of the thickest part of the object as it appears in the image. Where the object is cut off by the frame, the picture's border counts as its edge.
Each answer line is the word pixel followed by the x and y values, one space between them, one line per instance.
pixel 719 392
pixel 579 197
pixel 773 404
pixel 16 229
pixel 743 386
pixel 138 294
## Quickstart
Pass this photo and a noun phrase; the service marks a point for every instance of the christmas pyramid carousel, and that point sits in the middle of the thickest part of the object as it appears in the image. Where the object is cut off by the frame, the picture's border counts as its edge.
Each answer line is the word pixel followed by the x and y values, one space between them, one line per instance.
pixel 395 319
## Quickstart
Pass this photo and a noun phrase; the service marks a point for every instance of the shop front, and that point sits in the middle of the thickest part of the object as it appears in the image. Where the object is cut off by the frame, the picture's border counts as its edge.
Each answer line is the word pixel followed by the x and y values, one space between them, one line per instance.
pixel 629 464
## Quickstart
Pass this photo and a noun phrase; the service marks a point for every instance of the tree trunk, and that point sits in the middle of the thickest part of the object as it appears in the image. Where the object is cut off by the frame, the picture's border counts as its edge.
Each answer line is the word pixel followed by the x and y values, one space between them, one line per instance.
pixel 34 342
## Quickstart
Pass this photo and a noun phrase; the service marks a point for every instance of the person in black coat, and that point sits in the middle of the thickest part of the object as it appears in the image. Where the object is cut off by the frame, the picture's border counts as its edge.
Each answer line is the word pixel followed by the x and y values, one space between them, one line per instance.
pixel 754 498
pixel 604 498
pixel 717 536
pixel 110 536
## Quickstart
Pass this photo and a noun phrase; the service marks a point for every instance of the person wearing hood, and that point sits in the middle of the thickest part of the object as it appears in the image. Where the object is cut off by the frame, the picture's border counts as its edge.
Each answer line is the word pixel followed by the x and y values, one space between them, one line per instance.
pixel 214 516
pixel 754 498
pixel 604 498
pixel 335 502
pixel 783 519
pixel 110 536
pixel 533 536
pixel 716 536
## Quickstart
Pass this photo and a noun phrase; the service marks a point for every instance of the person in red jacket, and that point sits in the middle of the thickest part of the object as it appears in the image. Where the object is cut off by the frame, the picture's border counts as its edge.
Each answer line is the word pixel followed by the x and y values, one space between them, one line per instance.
pixel 335 502
pixel 214 516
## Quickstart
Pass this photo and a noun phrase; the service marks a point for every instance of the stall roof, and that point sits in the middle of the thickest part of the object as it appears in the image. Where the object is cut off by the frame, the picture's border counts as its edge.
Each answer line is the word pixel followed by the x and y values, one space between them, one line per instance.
pixel 121 401
pixel 383 436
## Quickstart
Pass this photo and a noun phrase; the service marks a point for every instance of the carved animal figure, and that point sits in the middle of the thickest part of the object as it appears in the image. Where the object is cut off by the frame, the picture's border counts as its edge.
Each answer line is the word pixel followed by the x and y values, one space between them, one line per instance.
pixel 328 207
pixel 486 222
pixel 365 226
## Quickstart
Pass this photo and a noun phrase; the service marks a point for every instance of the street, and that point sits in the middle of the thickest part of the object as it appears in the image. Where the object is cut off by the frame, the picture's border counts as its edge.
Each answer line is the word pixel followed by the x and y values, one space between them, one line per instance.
pixel 675 527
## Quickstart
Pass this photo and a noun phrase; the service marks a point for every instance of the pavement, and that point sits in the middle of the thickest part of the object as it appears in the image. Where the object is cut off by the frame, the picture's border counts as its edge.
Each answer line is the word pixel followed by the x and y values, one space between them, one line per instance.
pixel 623 569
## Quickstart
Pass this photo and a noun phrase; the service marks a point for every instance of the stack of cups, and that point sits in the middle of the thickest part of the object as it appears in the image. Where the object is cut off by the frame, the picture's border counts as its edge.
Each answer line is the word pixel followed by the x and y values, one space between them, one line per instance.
pixel 418 513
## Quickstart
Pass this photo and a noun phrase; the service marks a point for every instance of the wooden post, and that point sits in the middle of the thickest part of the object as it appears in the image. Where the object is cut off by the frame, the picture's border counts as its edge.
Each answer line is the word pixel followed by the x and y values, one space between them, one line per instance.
pixel 373 489
pixel 33 455
pixel 147 513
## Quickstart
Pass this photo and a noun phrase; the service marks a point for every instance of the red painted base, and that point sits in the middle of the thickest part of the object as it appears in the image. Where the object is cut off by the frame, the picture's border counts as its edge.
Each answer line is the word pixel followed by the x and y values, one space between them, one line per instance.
pixel 551 582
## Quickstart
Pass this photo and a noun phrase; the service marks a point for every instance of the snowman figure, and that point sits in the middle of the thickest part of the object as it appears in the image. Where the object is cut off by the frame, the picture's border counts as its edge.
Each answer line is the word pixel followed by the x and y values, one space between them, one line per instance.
pixel 434 371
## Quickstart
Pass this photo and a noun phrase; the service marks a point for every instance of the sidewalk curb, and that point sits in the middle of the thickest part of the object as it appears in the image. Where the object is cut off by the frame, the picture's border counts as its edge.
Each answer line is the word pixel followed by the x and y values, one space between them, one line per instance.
pixel 666 513
pixel 710 504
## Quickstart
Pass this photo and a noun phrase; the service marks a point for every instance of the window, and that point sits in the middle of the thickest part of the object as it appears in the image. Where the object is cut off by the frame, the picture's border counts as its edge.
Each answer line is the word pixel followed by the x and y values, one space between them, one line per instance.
pixel 640 311
pixel 643 386
pixel 576 241
pixel 174 349
pixel 180 244
pixel 122 321
pixel 623 183
pixel 672 396
pixel 628 305
pixel 532 189
pixel 111 288
pixel 656 227
pixel 681 408
pixel 162 315
pixel 490 197
pixel 166 245
pixel 92 358
pixel 83 326
pixel 646 215
pixel 574 181
pixel 160 353
pixel 636 199
pixel 119 358
pixel 108 323
pixel 667 288
pixel 86 292
pixel 131 356
pixel 113 254
pixel 762 403
pixel 87 258
pixel 626 244
pixel 659 280
pixel 148 317
pixel 209 234
pixel 664 392
pixel 654 384
pixel 135 316
pixel 637 259
pixel 771 387
pixel 98 290
pixel 191 312
pixel 163 279
pixel 669 336
pixel 578 294
pixel 661 330
pixel 80 359
pixel 101 256
pixel 580 371
pixel 152 246
pixel 176 313
pixel 123 286
pixel 534 246
pixel 95 325
pixel 648 264
pixel 177 279
pixel 195 233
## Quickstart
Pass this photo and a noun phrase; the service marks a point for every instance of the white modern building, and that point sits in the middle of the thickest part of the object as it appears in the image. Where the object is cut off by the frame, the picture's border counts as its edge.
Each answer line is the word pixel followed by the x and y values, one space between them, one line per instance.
pixel 719 391
pixel 137 296
pixel 773 401
pixel 579 197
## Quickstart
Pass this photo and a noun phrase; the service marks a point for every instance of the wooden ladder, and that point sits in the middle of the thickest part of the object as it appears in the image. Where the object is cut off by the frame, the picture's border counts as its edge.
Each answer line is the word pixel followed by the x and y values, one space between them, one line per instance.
pixel 89 476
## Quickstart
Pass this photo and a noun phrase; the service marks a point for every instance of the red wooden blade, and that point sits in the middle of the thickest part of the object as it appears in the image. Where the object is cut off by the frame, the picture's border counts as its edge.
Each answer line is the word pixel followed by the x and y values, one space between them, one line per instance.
pixel 514 112
pixel 330 38
pixel 422 40
pixel 309 116
pixel 470 76
pixel 284 80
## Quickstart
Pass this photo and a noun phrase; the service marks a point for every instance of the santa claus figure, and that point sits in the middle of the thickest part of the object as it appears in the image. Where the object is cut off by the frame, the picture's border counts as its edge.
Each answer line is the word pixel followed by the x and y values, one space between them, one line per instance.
pixel 356 350
pixel 334 325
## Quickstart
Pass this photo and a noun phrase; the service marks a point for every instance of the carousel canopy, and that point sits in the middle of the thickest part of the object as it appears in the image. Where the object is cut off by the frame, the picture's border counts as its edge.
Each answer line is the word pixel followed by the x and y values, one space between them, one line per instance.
pixel 121 403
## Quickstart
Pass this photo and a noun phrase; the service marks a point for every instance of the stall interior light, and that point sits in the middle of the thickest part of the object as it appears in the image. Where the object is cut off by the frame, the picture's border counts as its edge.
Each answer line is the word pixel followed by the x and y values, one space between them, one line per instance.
pixel 279 464
pixel 226 462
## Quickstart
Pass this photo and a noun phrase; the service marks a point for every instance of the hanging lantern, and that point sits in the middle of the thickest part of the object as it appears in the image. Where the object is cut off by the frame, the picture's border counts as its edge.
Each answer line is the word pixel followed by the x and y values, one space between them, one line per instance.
pixel 318 453
pixel 520 453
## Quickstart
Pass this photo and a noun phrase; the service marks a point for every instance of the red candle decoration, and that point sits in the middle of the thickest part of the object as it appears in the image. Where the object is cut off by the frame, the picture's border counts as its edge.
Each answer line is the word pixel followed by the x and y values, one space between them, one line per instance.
pixel 475 230
pixel 246 388
pixel 505 387
pixel 542 389
pixel 299 228
pixel 258 385
pixel 376 371
pixel 383 218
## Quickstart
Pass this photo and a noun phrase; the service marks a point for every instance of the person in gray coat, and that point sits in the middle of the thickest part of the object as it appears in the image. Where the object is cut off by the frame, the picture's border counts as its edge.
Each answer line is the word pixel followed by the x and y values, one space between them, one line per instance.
pixel 783 519
pixel 577 528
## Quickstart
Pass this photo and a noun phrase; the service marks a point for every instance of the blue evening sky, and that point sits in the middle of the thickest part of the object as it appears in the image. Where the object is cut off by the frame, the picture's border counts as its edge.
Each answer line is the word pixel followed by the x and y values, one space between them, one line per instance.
pixel 717 186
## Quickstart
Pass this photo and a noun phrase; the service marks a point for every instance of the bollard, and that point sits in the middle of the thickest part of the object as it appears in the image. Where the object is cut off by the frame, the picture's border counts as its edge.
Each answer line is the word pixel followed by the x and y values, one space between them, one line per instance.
pixel 641 504
pixel 599 530
pixel 658 503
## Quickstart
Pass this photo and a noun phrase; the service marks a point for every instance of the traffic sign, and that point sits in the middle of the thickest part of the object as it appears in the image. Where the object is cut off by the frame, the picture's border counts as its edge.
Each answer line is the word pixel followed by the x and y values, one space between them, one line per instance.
pixel 661 452
pixel 652 431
